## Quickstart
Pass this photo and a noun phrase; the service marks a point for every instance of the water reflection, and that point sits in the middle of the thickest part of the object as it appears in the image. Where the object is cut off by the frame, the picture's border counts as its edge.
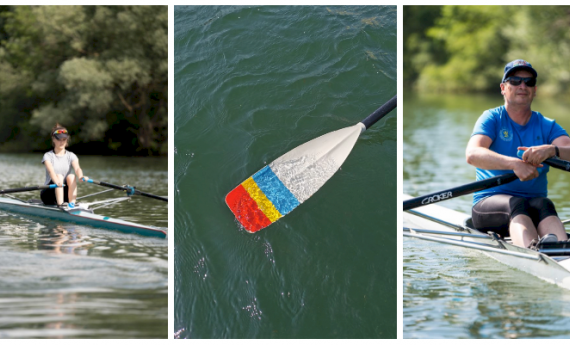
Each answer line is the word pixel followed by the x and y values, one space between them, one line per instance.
pixel 62 240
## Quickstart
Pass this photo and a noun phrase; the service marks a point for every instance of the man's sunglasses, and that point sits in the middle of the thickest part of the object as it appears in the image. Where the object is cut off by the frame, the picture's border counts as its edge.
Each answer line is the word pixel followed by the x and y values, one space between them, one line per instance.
pixel 516 81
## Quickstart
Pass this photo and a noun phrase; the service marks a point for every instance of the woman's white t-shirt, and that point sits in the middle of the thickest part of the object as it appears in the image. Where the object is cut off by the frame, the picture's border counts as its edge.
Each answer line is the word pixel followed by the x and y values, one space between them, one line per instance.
pixel 61 164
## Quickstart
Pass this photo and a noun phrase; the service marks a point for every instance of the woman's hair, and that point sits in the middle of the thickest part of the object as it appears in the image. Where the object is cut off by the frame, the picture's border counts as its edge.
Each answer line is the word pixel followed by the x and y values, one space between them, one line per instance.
pixel 56 127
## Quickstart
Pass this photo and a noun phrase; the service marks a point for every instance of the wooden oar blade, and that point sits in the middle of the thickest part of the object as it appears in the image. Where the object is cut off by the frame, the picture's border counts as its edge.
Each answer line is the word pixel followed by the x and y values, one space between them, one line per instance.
pixel 285 183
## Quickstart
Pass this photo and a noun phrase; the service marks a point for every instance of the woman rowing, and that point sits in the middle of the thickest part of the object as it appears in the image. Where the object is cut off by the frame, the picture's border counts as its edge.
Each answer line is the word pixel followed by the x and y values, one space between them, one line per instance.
pixel 520 208
pixel 58 163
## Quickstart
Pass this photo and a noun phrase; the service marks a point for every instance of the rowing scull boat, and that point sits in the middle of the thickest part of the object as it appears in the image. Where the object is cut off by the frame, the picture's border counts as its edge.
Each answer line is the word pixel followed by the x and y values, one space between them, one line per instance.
pixel 79 215
pixel 440 224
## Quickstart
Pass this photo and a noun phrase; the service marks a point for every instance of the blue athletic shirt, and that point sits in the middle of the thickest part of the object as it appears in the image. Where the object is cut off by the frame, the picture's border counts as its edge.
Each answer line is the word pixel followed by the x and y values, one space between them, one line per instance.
pixel 507 135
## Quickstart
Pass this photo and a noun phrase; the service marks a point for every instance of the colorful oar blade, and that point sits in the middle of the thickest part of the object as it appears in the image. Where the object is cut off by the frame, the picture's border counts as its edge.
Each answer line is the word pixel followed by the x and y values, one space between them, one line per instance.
pixel 279 187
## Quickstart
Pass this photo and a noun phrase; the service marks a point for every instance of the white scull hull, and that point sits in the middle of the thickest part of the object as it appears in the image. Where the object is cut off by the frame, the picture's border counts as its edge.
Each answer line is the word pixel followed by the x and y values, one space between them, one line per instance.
pixel 556 271
pixel 79 216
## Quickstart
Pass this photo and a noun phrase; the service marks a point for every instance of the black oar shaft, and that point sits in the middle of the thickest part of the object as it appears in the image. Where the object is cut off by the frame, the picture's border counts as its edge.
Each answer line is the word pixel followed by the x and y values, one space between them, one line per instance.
pixel 380 112
pixel 558 163
pixel 27 189
pixel 459 191
pixel 151 195
pixel 553 162
pixel 127 189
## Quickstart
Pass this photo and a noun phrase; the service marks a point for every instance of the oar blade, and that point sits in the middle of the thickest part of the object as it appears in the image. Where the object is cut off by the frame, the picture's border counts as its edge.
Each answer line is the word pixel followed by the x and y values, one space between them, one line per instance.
pixel 285 183
pixel 260 200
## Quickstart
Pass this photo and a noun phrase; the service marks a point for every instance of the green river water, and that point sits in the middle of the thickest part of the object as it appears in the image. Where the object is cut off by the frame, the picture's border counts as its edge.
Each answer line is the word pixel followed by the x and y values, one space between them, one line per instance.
pixel 252 83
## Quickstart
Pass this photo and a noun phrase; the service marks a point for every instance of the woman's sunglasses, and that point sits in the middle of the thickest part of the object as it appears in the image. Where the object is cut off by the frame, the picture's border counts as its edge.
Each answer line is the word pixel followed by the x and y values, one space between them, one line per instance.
pixel 516 81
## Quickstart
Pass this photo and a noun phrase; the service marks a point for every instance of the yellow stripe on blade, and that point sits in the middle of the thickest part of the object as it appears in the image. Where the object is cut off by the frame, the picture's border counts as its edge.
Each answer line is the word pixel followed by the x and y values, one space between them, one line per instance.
pixel 263 203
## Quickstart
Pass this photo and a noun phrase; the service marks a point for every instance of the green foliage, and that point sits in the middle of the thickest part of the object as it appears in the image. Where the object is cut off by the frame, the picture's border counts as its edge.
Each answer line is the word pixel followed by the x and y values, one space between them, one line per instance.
pixel 418 50
pixel 543 35
pixel 102 71
pixel 465 48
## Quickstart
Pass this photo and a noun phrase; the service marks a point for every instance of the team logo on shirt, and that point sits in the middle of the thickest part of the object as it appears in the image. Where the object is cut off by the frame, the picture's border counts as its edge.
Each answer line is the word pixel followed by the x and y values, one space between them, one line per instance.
pixel 506 135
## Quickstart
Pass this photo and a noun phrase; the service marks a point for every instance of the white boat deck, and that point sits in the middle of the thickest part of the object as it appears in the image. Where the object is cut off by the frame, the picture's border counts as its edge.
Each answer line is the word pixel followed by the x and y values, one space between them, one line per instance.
pixel 79 215
pixel 556 271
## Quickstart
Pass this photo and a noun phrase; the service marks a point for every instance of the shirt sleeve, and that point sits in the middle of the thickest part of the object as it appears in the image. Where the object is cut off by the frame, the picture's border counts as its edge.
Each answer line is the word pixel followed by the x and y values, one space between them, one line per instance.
pixel 555 132
pixel 46 157
pixel 486 125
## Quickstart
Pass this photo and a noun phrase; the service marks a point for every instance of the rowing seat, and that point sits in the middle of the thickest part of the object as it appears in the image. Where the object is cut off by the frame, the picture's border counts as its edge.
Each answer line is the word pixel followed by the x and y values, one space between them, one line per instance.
pixel 498 232
pixel 35 201
pixel 468 223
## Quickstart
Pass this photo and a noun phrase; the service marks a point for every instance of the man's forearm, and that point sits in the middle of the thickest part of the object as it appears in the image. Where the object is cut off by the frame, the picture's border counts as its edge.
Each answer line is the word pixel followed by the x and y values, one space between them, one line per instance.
pixel 484 158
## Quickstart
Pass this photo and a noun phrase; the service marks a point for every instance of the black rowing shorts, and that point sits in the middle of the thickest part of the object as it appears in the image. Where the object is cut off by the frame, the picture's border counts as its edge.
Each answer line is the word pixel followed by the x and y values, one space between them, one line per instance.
pixel 496 212
pixel 48 195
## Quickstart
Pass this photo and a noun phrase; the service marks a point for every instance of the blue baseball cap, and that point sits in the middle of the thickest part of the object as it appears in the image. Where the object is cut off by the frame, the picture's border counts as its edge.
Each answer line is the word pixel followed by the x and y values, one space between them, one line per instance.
pixel 518 65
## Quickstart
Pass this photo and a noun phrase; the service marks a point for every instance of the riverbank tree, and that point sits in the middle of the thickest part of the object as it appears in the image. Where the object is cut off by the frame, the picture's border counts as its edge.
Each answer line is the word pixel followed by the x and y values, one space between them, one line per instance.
pixel 465 48
pixel 102 71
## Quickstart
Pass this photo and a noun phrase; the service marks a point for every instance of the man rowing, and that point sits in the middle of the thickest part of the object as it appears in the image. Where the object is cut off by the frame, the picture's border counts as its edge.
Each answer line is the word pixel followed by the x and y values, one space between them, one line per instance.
pixel 520 208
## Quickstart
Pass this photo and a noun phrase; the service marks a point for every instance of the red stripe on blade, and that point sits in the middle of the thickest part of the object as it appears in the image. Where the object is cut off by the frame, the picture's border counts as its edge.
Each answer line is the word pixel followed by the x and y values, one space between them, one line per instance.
pixel 246 211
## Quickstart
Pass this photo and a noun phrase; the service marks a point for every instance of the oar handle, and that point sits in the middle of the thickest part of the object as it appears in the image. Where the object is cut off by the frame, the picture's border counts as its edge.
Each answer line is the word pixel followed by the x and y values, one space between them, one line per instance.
pixel 553 162
pixel 459 191
pixel 130 190
pixel 379 113
pixel 27 189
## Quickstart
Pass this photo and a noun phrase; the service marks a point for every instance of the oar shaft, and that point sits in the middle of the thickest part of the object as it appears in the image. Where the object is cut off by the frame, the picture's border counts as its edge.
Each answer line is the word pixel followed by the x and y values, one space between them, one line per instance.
pixel 151 195
pixel 553 162
pixel 27 189
pixel 380 113
pixel 558 163
pixel 459 191
pixel 128 189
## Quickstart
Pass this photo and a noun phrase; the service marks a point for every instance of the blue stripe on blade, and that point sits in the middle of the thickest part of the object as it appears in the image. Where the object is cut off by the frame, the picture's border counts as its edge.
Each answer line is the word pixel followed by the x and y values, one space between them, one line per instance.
pixel 275 190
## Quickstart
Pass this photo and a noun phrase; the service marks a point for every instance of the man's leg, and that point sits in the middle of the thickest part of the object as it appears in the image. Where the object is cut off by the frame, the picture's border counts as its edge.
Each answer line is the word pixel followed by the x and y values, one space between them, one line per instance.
pixel 552 225
pixel 522 230
pixel 544 214
pixel 495 214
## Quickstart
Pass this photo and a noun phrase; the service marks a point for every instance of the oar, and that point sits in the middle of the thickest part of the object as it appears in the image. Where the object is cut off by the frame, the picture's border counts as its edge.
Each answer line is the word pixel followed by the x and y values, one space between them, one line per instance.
pixel 459 191
pixel 553 162
pixel 130 190
pixel 477 186
pixel 27 189
pixel 288 181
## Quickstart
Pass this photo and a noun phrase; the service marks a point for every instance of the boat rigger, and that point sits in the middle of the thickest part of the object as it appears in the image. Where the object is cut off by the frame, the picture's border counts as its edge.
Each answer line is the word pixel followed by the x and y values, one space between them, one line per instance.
pixel 547 261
